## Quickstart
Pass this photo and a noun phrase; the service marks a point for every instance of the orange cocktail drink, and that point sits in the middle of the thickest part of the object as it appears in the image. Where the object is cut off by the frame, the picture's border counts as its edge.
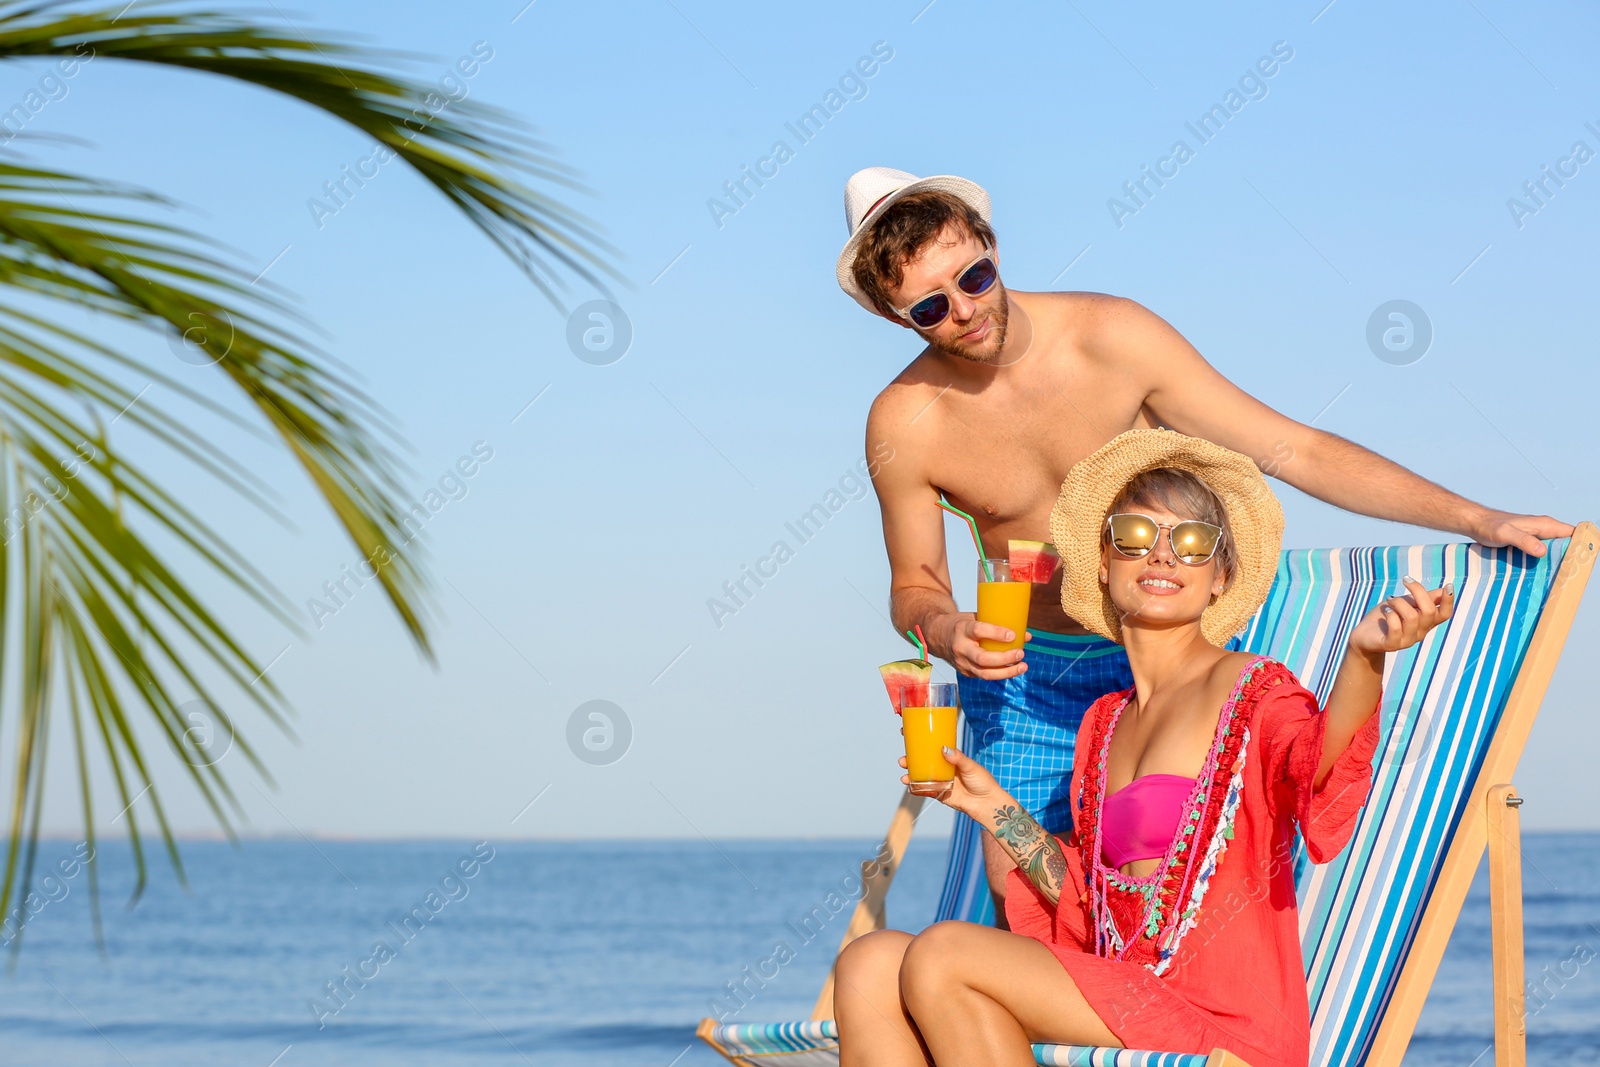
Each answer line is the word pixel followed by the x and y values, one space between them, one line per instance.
pixel 1003 602
pixel 928 730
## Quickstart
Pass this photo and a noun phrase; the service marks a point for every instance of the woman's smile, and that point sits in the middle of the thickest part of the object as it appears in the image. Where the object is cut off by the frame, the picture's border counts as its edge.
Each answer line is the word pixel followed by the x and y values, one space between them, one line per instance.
pixel 1160 584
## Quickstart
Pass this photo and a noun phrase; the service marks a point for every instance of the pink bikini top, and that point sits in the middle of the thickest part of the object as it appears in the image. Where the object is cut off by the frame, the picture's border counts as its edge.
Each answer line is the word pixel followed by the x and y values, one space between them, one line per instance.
pixel 1138 820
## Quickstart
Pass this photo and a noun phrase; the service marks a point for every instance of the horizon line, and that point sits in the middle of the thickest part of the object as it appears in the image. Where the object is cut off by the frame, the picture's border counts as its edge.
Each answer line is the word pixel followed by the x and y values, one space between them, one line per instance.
pixel 201 837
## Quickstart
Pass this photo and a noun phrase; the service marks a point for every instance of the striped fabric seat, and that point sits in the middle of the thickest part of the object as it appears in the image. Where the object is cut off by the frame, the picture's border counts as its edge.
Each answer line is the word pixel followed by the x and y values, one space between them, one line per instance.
pixel 812 1044
pixel 1441 707
pixel 816 1044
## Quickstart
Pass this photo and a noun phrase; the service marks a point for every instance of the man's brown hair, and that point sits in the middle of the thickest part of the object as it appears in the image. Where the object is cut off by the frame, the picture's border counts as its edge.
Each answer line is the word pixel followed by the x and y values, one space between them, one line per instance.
pixel 901 233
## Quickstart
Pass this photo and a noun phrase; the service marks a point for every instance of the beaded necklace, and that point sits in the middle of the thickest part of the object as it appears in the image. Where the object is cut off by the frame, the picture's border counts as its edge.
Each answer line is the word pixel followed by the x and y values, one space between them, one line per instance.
pixel 1171 894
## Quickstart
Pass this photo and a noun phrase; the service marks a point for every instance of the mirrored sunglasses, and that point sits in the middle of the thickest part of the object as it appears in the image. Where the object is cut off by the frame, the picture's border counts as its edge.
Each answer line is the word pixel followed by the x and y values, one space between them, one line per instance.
pixel 1192 541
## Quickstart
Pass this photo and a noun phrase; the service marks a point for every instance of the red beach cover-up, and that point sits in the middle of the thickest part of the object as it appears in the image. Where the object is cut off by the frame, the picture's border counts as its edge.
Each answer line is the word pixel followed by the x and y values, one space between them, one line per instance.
pixel 1205 952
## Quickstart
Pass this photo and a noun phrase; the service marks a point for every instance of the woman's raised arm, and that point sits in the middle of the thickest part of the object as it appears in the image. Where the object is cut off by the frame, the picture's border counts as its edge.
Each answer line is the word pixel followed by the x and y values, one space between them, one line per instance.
pixel 1398 623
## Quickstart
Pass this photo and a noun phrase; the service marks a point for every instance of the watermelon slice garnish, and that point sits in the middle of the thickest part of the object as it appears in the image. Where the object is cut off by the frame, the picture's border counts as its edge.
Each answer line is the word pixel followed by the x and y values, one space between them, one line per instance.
pixel 907 682
pixel 1032 561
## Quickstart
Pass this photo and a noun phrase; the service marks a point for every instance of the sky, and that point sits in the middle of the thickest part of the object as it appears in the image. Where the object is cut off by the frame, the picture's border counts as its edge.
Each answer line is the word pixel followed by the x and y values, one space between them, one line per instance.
pixel 614 492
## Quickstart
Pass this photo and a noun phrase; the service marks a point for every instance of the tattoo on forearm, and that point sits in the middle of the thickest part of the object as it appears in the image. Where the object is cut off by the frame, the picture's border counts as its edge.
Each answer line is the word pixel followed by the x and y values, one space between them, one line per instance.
pixel 1037 854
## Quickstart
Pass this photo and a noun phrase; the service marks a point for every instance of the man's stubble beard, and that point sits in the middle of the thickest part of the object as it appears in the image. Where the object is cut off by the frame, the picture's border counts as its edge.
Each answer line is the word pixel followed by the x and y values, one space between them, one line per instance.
pixel 1000 318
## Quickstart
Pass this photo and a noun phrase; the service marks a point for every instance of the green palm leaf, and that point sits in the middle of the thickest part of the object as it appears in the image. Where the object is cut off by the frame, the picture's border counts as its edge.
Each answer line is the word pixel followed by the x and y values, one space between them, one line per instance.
pixel 94 622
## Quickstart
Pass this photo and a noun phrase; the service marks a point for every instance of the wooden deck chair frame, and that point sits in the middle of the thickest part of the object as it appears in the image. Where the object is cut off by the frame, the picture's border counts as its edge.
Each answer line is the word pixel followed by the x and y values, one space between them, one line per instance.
pixel 1491 822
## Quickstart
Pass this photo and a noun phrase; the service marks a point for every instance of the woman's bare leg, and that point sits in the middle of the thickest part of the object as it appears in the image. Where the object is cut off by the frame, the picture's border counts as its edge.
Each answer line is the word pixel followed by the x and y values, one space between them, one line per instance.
pixel 978 995
pixel 874 1029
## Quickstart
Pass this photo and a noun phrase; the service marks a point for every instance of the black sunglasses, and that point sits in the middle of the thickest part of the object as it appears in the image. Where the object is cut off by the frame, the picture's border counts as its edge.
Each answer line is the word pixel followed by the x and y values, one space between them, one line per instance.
pixel 976 279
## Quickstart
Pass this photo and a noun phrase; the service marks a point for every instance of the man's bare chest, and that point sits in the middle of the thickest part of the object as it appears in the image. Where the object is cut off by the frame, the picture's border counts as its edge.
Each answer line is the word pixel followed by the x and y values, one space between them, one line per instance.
pixel 1006 466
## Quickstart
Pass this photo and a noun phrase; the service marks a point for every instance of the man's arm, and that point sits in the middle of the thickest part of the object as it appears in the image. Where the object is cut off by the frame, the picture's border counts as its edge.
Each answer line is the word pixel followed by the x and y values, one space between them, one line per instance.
pixel 1189 395
pixel 919 573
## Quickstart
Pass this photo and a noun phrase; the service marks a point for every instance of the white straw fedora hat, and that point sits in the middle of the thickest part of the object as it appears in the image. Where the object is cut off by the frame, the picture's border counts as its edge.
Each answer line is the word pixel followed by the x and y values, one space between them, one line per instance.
pixel 870 192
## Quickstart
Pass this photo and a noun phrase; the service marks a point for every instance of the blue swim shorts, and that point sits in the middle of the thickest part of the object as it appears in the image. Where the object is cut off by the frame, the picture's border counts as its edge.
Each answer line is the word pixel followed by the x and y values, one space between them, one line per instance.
pixel 1024 729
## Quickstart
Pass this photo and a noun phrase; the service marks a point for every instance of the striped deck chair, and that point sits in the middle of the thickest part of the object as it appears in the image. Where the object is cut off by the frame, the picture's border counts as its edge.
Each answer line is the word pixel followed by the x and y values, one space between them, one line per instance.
pixel 1374 922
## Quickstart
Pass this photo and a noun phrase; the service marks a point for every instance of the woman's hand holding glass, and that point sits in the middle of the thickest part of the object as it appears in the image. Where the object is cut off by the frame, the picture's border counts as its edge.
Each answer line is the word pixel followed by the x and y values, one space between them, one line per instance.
pixel 973 791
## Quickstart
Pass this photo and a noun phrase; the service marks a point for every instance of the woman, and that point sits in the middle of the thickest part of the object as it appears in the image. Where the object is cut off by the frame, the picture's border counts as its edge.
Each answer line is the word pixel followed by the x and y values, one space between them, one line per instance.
pixel 1166 920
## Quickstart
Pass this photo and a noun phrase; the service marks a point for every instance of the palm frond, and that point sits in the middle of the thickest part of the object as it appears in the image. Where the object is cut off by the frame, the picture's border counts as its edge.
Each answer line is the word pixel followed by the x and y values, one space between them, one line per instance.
pixel 95 622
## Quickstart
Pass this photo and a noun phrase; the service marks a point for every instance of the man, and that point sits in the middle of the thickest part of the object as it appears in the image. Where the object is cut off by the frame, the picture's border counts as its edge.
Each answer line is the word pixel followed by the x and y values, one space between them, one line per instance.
pixel 1011 391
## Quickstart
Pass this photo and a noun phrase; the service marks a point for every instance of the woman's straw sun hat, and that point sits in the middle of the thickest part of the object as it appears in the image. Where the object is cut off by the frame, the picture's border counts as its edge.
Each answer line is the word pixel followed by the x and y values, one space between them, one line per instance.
pixel 1254 520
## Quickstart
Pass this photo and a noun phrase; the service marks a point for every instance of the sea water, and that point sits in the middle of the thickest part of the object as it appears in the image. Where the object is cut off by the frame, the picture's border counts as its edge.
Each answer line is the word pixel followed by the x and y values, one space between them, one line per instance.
pixel 299 953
